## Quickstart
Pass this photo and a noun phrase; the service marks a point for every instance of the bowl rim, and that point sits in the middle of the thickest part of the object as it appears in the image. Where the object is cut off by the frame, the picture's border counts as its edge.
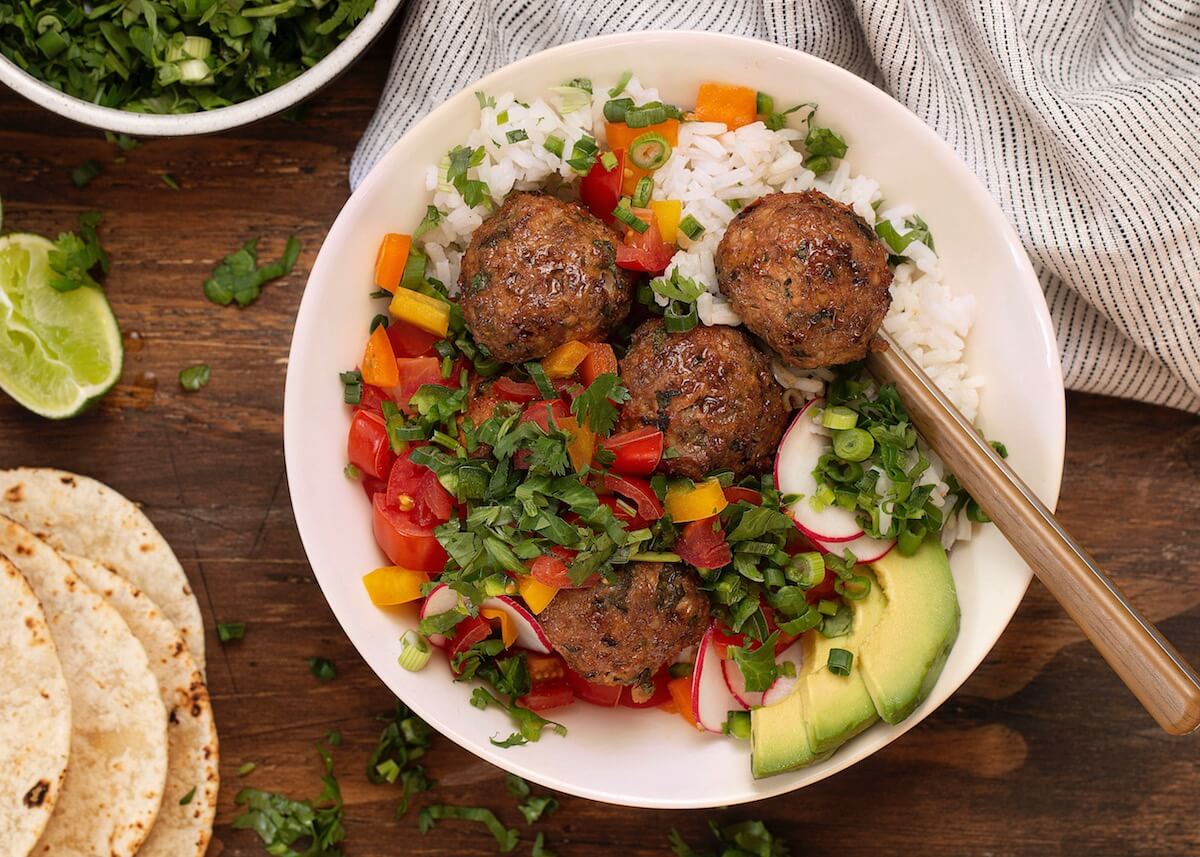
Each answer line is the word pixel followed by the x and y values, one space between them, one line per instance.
pixel 205 121
pixel 1054 438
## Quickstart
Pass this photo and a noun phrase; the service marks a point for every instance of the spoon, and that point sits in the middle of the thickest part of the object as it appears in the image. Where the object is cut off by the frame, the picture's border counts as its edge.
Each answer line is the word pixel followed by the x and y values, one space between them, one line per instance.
pixel 1166 686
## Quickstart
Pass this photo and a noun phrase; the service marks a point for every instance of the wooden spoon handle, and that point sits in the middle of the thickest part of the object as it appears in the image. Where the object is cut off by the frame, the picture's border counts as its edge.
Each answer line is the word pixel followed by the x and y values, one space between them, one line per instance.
pixel 1149 665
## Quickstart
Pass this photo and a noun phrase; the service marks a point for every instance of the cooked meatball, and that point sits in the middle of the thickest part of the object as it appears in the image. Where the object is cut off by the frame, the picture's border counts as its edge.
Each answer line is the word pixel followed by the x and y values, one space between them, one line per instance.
pixel 625 632
pixel 538 273
pixel 712 394
pixel 808 275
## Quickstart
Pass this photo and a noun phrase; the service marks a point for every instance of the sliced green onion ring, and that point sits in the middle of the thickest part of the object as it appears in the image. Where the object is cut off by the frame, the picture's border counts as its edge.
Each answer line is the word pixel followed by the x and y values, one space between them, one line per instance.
pixel 853 444
pixel 839 417
pixel 855 588
pixel 616 108
pixel 650 150
pixel 625 214
pixel 691 227
pixel 642 191
pixel 415 651
pixel 806 569
pixel 655 556
pixel 840 661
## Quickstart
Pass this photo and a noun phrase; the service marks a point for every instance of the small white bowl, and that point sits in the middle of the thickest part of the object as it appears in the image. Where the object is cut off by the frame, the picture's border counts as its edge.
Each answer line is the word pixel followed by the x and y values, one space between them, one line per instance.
pixel 647 758
pixel 206 121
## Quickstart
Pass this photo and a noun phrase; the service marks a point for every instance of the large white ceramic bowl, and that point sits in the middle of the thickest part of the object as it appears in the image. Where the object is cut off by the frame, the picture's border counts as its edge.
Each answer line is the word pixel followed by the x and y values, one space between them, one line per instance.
pixel 206 121
pixel 645 758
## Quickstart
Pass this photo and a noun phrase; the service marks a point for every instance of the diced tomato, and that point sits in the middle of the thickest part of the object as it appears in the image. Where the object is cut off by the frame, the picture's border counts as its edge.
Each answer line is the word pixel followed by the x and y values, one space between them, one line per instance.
pixel 823 590
pixel 409 340
pixel 544 667
pixel 415 488
pixel 661 694
pixel 601 360
pixel 785 639
pixel 702 544
pixel 540 413
pixel 468 632
pixel 553 570
pixel 743 495
pixel 406 542
pixel 434 505
pixel 543 697
pixel 373 486
pixel 604 695
pixel 415 372
pixel 630 521
pixel 638 451
pixel 368 448
pixel 639 491
pixel 516 391
pixel 600 189
pixel 723 637
pixel 645 251
pixel 372 399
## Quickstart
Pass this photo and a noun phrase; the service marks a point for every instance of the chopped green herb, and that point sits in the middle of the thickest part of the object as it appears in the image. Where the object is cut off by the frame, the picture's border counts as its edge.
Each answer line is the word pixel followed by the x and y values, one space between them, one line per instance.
pixel 322 668
pixel 507 838
pixel 758 667
pixel 187 798
pixel 229 631
pixel 247 768
pixel 170 181
pixel 76 256
pixel 741 839
pixel 334 738
pixel 596 408
pixel 622 82
pixel 82 175
pixel 516 135
pixel 404 739
pixel 239 278
pixel 691 227
pixel 280 821
pixel 840 661
pixel 194 377
pixel 539 847
pixel 352 387
pixel 122 141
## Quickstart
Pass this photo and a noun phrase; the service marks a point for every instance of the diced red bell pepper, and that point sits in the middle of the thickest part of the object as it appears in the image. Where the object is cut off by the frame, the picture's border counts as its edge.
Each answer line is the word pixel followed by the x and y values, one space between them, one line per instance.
pixel 409 340
pixel 368 448
pixel 645 251
pixel 540 413
pixel 639 491
pixel 637 452
pixel 702 544
pixel 600 189
pixel 516 391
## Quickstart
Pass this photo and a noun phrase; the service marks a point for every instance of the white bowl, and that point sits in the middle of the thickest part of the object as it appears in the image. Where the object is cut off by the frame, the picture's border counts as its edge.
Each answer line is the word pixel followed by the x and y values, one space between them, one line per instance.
pixel 206 121
pixel 646 758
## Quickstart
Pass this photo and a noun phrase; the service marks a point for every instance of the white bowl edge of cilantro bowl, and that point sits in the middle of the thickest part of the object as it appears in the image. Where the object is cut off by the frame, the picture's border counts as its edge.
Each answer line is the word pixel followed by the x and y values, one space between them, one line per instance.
pixel 642 758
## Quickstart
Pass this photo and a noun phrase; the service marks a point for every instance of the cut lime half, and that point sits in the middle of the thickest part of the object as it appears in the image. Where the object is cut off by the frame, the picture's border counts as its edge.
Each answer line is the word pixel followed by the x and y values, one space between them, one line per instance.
pixel 59 351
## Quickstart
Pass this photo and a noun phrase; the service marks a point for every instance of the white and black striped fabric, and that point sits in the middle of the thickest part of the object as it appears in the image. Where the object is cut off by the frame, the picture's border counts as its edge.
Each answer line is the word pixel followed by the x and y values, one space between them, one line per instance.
pixel 1081 116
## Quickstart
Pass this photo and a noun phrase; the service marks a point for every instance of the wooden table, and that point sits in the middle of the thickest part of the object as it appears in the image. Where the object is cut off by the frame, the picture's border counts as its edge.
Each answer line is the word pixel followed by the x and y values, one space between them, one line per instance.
pixel 1041 752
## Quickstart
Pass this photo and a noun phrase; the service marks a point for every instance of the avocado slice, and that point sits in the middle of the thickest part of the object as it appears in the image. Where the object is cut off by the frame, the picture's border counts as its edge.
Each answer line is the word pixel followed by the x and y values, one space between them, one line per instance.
pixel 904 655
pixel 839 707
pixel 825 710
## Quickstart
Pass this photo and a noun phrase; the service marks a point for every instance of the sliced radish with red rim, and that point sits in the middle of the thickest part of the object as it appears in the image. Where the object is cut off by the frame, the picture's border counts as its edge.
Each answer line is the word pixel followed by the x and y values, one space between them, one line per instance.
pixel 802 446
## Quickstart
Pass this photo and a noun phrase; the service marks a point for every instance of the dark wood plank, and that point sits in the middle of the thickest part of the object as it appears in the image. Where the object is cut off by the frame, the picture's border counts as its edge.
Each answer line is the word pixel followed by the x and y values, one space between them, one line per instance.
pixel 1043 751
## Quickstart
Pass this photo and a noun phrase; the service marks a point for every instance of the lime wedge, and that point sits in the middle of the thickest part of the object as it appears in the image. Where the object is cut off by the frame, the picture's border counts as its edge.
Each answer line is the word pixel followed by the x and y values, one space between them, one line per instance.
pixel 59 351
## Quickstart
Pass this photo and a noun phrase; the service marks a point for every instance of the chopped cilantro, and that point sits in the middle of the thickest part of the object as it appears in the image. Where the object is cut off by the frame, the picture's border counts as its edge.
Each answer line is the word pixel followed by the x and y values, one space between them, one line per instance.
pixel 82 175
pixel 194 377
pixel 229 631
pixel 741 839
pixel 507 838
pixel 76 256
pixel 281 821
pixel 404 739
pixel 322 669
pixel 187 798
pixel 239 278
pixel 596 408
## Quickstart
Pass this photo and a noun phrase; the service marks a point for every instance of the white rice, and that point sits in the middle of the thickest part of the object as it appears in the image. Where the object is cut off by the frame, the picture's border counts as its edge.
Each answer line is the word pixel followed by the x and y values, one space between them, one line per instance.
pixel 710 167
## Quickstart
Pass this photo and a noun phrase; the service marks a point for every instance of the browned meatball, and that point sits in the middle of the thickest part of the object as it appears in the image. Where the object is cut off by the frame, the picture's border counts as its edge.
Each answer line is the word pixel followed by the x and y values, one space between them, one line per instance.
pixel 626 631
pixel 538 273
pixel 711 392
pixel 808 275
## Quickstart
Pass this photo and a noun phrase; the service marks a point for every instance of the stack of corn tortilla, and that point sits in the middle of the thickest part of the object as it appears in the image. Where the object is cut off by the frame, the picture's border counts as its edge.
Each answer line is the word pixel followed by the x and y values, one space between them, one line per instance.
pixel 107 739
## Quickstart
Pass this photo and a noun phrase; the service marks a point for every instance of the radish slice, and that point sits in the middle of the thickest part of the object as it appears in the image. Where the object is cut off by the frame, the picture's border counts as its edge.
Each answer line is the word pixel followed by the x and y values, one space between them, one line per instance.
pixel 864 548
pixel 711 699
pixel 529 633
pixel 799 451
pixel 440 600
pixel 736 682
pixel 784 685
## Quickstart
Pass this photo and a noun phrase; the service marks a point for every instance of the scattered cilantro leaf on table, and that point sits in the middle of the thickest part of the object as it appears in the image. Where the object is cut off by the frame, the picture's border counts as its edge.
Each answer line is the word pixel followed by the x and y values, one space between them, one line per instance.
pixel 322 669
pixel 239 278
pixel 82 175
pixel 77 255
pixel 229 631
pixel 280 821
pixel 506 837
pixel 194 377
pixel 404 739
pixel 741 839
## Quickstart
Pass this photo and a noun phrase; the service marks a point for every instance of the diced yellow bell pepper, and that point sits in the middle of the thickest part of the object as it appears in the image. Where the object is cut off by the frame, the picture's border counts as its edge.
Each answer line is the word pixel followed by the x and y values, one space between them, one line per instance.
pixel 508 628
pixel 536 594
pixel 429 314
pixel 668 213
pixel 392 585
pixel 582 445
pixel 562 361
pixel 704 500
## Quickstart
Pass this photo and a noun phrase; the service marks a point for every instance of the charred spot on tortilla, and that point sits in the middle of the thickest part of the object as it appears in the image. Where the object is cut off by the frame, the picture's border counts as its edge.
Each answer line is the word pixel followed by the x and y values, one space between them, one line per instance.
pixel 36 795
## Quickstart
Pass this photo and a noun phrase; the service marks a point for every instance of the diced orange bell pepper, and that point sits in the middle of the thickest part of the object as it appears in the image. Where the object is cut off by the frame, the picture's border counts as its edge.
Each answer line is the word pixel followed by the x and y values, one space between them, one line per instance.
pixel 562 361
pixel 681 695
pixel 582 445
pixel 379 360
pixel 722 102
pixel 393 584
pixel 536 594
pixel 430 314
pixel 695 503
pixel 621 136
pixel 601 360
pixel 668 213
pixel 391 259
pixel 508 628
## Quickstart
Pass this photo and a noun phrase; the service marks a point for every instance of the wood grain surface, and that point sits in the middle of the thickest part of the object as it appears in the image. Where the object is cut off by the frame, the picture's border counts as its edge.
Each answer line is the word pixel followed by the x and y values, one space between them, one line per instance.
pixel 1043 751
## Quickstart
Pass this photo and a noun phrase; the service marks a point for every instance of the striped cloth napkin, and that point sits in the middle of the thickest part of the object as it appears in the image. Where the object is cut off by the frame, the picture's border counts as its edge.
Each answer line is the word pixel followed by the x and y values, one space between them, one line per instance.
pixel 1082 118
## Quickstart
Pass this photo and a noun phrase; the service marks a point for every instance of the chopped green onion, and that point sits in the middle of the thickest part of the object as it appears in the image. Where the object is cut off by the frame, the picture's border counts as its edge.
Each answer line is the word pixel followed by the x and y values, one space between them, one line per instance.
pixel 649 151
pixel 975 514
pixel 573 97
pixel 737 724
pixel 853 444
pixel 583 155
pixel 352 387
pixel 691 227
pixel 229 631
pixel 840 661
pixel 379 319
pixel 415 651
pixel 615 110
pixel 839 417
pixel 246 768
pixel 642 191
pixel 609 161
pixel 538 375
pixel 764 105
pixel 624 214
pixel 680 316
pixel 352 472
pixel 806 621
pixel 910 538
pixel 170 181
pixel 806 569
pixel 516 135
pixel 646 115
pixel 554 145
pixel 855 588
pixel 655 556
pixel 819 164
pixel 827 608
pixel 622 82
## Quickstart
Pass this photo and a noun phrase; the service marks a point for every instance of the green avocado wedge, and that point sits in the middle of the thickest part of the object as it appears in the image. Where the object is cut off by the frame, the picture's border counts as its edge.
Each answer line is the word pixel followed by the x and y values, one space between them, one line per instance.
pixel 904 656
pixel 59 351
